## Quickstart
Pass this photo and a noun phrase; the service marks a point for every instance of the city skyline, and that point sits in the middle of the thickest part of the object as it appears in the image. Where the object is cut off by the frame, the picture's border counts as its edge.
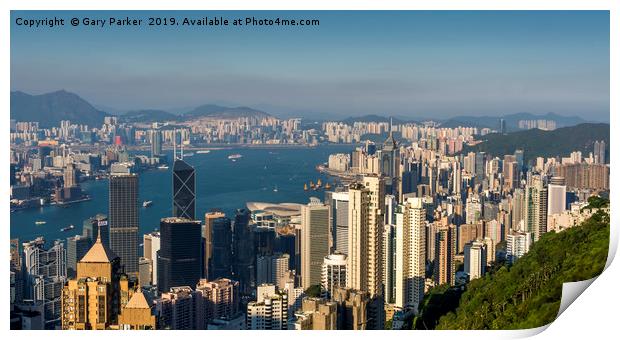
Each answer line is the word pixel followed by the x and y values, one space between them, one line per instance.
pixel 421 64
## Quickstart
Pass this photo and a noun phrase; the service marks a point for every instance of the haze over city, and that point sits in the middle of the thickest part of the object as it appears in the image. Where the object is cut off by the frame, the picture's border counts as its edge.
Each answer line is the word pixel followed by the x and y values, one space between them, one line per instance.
pixel 406 64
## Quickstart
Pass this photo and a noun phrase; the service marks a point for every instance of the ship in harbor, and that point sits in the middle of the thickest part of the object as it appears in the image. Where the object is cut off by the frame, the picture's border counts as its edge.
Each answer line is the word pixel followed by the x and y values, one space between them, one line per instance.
pixel 147 204
pixel 234 156
pixel 163 167
pixel 71 227
pixel 203 151
pixel 39 222
pixel 188 154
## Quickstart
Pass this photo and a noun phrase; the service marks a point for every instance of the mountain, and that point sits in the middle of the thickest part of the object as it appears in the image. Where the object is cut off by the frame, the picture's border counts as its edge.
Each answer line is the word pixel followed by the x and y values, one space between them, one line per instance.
pixel 50 108
pixel 512 120
pixel 148 116
pixel 216 111
pixel 539 143
pixel 528 293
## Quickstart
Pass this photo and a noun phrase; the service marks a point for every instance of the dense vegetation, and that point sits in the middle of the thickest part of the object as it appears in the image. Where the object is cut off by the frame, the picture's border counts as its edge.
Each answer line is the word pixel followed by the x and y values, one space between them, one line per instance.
pixel 527 294
pixel 538 143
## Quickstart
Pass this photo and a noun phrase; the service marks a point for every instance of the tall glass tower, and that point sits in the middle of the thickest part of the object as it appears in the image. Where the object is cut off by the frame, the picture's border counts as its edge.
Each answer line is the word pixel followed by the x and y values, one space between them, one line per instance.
pixel 183 190
pixel 179 259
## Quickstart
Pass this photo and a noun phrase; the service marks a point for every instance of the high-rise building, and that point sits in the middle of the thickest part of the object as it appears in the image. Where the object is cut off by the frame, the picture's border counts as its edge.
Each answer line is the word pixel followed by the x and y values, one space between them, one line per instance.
pixel 389 261
pixel 445 247
pixel 468 233
pixel 536 207
pixel 410 256
pixel 45 273
pixel 317 314
pixel 155 143
pixel 352 308
pixel 243 252
pixel 339 216
pixel 390 165
pixel 69 176
pixel 334 273
pixel 365 255
pixel 475 261
pixel 272 269
pixel 94 225
pixel 99 282
pixel 269 311
pixel 151 245
pixel 137 314
pixel 218 245
pixel 183 190
pixel 315 235
pixel 176 309
pixel 517 245
pixel 557 196
pixel 599 152
pixel 220 300
pixel 179 260
pixel 124 220
pixel 77 247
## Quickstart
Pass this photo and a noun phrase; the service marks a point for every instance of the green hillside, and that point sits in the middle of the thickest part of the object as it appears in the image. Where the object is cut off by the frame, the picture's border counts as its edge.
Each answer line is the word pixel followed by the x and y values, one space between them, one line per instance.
pixel 538 143
pixel 528 294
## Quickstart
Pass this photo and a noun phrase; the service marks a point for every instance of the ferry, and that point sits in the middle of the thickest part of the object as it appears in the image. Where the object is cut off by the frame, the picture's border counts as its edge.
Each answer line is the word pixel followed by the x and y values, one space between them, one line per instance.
pixel 68 228
pixel 275 189
pixel 163 167
pixel 147 204
pixel 188 154
pixel 203 151
pixel 235 156
pixel 39 222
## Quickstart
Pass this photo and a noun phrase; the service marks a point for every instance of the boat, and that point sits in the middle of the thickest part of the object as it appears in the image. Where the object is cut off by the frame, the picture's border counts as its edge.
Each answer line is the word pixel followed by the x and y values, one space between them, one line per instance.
pixel 305 187
pixel 203 151
pixel 163 167
pixel 39 222
pixel 68 228
pixel 234 156
pixel 275 189
pixel 147 204
pixel 188 154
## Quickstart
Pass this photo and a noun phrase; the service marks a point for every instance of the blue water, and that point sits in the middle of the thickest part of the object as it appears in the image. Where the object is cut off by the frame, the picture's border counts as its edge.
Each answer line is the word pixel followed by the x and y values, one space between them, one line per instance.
pixel 220 183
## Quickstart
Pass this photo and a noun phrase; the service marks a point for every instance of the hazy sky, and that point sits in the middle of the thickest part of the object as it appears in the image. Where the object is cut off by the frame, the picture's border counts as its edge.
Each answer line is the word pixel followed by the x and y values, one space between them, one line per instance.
pixel 413 64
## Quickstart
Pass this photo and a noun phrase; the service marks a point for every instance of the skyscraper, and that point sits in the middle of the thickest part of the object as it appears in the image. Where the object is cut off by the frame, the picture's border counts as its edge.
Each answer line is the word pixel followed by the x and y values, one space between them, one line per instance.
pixel 334 273
pixel 243 254
pixel 315 234
pixel 445 247
pixel 124 220
pixel 45 273
pixel 410 254
pixel 179 260
pixel 155 143
pixel 218 245
pixel 365 255
pixel 557 196
pixel 339 216
pixel 183 190
pixel 98 283
pixel 152 244
pixel 269 311
pixel 77 246
pixel 475 261
pixel 536 207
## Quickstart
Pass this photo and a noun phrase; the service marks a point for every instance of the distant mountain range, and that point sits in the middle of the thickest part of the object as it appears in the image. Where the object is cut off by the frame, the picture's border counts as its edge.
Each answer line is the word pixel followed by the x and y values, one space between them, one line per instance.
pixel 538 143
pixel 50 108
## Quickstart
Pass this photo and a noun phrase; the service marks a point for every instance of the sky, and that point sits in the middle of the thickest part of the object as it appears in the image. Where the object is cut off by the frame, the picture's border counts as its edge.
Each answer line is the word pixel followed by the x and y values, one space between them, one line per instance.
pixel 408 64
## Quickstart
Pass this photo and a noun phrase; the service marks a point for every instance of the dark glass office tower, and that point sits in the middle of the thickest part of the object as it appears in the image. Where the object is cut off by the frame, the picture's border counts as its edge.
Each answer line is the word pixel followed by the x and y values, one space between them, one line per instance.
pixel 94 225
pixel 123 219
pixel 221 243
pixel 179 259
pixel 243 252
pixel 183 190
